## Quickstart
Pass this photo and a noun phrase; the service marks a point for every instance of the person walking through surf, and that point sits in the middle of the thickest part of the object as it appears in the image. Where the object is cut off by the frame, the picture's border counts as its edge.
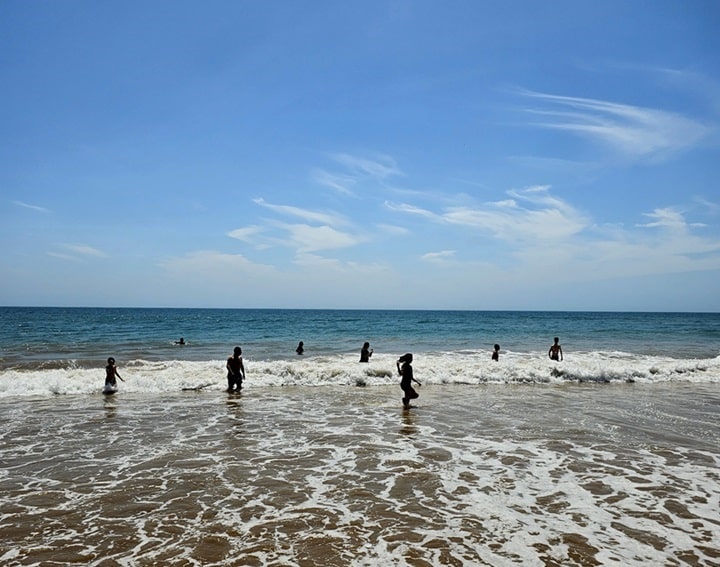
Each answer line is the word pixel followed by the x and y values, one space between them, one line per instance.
pixel 366 352
pixel 406 372
pixel 111 372
pixel 236 370
pixel 555 351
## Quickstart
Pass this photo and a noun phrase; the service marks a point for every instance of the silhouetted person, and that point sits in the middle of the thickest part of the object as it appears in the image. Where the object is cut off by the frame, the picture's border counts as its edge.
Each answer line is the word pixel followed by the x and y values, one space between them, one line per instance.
pixel 496 353
pixel 366 352
pixel 236 370
pixel 300 348
pixel 111 372
pixel 555 352
pixel 407 379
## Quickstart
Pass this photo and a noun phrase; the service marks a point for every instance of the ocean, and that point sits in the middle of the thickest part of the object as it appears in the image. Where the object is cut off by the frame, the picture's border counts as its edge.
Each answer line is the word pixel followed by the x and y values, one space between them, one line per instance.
pixel 610 457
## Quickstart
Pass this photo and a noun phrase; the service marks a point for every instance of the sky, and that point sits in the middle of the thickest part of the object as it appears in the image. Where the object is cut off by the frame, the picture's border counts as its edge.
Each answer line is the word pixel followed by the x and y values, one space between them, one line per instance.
pixel 361 154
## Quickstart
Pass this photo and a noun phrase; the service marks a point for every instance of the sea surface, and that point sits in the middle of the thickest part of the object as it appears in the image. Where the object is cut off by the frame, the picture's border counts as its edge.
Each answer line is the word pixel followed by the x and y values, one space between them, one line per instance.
pixel 610 457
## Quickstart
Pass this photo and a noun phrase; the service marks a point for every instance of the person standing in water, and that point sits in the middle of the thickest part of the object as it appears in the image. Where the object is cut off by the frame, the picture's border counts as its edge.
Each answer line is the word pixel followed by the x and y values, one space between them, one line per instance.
pixel 366 352
pixel 555 352
pixel 496 353
pixel 111 372
pixel 406 372
pixel 300 348
pixel 236 370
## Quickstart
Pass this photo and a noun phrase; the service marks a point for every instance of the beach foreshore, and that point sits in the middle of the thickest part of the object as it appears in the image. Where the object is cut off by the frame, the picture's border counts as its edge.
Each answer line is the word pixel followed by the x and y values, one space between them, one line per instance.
pixel 575 474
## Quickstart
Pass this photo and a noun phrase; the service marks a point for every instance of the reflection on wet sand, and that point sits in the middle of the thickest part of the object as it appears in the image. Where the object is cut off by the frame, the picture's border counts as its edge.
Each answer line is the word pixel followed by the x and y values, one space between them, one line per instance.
pixel 475 475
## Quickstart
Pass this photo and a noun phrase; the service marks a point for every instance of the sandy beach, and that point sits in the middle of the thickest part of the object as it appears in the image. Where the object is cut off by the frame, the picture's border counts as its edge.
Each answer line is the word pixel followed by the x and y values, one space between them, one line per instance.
pixel 535 475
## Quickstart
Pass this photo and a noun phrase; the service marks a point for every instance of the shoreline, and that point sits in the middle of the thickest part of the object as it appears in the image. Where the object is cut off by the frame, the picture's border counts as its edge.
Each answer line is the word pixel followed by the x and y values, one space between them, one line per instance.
pixel 485 475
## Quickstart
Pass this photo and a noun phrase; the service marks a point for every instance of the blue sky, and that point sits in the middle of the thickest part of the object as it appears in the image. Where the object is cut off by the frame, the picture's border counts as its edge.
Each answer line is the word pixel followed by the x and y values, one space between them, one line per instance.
pixel 361 154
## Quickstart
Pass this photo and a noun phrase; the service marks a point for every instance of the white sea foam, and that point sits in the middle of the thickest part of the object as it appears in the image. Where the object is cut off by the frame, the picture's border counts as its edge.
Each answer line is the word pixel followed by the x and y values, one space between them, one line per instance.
pixel 338 476
pixel 465 367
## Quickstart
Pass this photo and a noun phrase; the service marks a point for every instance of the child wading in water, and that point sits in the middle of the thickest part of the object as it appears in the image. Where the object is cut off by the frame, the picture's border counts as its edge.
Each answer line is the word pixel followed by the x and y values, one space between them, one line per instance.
pixel 236 370
pixel 110 373
pixel 555 352
pixel 406 372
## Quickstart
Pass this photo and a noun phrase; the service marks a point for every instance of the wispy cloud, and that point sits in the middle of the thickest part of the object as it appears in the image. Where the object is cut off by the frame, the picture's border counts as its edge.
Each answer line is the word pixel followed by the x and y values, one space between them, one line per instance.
pixel 76 252
pixel 669 219
pixel 31 207
pixel 634 131
pixel 246 233
pixel 410 209
pixel 341 183
pixel 353 171
pixel 321 231
pixel 305 214
pixel 306 238
pixel 84 250
pixel 531 215
pixel 211 266
pixel 379 168
pixel 438 256
pixel 393 229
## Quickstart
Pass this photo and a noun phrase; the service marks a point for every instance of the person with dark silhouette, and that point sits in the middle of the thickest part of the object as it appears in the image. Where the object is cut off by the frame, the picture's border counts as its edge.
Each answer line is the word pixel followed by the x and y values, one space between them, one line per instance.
pixel 366 352
pixel 555 351
pixel 406 372
pixel 236 370
pixel 111 372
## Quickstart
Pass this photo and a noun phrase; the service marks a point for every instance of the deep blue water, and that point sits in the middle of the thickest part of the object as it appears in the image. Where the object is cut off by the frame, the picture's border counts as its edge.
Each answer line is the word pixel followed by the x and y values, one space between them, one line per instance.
pixel 33 334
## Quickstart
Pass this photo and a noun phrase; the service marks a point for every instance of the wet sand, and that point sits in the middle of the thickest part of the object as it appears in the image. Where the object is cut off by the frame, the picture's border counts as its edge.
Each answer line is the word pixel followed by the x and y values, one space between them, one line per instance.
pixel 576 474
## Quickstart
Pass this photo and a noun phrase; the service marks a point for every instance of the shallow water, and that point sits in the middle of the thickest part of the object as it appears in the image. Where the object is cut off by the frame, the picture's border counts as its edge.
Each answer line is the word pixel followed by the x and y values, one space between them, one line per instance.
pixel 535 475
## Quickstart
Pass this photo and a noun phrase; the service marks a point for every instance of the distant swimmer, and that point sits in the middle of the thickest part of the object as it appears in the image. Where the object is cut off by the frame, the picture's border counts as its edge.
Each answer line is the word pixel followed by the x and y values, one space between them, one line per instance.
pixel 366 352
pixel 555 352
pixel 180 342
pixel 406 372
pixel 300 348
pixel 236 370
pixel 496 352
pixel 111 372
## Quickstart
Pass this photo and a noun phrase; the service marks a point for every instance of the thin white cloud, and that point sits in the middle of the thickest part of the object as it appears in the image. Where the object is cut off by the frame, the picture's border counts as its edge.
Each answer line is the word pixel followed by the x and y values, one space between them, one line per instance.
pixel 246 233
pixel 668 218
pixel 532 214
pixel 410 209
pixel 438 256
pixel 306 238
pixel 307 260
pixel 31 207
pixel 76 252
pixel 84 250
pixel 323 267
pixel 211 264
pixel 634 131
pixel 355 170
pixel 305 214
pixel 380 168
pixel 393 229
pixel 337 181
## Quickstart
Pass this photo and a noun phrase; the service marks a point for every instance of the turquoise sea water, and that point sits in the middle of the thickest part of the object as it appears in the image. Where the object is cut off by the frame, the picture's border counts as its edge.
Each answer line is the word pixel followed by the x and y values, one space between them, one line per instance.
pixel 29 336
pixel 63 350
